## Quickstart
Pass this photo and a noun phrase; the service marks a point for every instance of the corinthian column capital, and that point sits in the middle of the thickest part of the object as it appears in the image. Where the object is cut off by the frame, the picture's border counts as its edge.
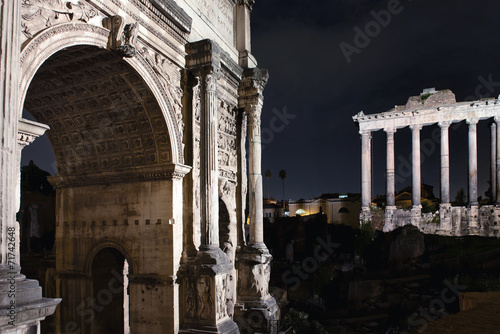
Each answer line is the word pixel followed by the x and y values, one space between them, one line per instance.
pixel 252 86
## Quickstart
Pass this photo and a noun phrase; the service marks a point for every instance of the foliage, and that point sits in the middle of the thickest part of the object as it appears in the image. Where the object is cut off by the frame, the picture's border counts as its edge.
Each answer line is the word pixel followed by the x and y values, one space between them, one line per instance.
pixel 299 321
pixel 282 176
pixel 429 206
pixel 460 198
pixel 425 96
pixel 364 238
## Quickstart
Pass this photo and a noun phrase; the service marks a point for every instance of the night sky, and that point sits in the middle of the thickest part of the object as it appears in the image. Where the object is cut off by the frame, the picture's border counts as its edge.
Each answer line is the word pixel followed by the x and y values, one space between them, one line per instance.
pixel 442 44
pixel 313 90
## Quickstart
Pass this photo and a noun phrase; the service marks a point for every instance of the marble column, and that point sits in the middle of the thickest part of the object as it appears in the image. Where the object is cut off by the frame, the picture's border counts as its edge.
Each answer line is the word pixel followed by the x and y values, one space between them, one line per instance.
pixel 366 172
pixel 493 161
pixel 445 163
pixel 416 168
pixel 253 261
pixel 390 176
pixel 255 176
pixel 472 162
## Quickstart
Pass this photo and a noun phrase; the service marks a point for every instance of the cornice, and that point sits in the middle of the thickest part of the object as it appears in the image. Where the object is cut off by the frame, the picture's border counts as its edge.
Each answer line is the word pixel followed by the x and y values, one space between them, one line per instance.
pixel 164 172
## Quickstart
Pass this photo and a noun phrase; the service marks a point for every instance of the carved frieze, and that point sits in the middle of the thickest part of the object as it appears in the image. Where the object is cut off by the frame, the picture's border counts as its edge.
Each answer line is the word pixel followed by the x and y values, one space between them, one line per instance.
pixel 37 15
pixel 165 69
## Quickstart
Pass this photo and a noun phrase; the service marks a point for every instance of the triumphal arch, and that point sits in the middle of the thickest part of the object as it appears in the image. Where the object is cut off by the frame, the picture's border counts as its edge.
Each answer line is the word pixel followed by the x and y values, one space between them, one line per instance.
pixel 152 108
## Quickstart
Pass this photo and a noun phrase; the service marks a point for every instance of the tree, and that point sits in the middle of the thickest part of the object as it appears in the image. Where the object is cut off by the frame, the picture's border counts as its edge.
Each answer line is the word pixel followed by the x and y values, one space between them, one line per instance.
pixel 283 177
pixel 460 198
pixel 268 175
pixel 299 321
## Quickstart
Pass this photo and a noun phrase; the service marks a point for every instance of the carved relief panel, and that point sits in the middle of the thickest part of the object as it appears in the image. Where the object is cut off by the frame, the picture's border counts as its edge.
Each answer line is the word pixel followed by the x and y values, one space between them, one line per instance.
pixel 37 15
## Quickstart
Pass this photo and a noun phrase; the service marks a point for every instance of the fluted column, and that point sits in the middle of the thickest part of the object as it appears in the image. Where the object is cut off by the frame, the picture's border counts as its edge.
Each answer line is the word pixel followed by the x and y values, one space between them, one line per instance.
pixel 472 162
pixel 445 163
pixel 493 161
pixel 416 168
pixel 390 177
pixel 209 173
pixel 204 61
pixel 366 164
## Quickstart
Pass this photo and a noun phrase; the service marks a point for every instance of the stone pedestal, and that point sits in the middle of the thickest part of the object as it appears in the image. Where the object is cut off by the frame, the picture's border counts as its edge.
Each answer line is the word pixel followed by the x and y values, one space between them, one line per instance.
pixel 206 287
pixel 416 215
pixel 389 219
pixel 445 218
pixel 256 311
pixel 22 306
pixel 365 216
pixel 473 214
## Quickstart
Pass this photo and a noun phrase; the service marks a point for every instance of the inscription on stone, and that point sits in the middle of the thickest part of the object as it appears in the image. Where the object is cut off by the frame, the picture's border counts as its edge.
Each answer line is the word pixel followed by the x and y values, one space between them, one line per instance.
pixel 221 14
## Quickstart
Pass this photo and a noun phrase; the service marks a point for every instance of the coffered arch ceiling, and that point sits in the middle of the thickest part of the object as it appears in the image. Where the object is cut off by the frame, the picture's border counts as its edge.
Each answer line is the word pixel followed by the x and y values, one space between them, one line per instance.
pixel 102 115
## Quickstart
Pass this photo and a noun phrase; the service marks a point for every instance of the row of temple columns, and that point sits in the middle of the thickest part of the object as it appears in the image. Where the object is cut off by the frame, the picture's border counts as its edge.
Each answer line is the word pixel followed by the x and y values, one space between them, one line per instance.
pixel 416 165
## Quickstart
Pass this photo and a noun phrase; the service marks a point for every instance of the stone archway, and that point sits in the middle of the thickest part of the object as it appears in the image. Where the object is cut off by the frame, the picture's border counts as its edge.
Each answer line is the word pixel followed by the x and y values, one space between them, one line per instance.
pixel 117 150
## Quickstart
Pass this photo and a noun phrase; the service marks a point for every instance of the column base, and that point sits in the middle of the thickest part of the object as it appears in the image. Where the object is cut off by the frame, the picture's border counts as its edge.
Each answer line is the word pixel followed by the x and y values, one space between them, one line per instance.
pixel 473 217
pixel 258 316
pixel 206 293
pixel 445 218
pixel 225 327
pixel 416 215
pixel 365 216
pixel 389 219
pixel 22 306
pixel 257 311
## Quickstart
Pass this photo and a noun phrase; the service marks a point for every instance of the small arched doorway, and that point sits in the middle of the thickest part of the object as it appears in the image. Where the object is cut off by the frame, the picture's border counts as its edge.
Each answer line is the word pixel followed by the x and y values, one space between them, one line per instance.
pixel 109 292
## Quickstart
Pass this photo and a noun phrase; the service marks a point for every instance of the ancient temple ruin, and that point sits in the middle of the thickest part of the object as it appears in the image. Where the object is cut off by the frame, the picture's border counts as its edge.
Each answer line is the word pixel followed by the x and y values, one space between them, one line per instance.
pixel 149 106
pixel 434 107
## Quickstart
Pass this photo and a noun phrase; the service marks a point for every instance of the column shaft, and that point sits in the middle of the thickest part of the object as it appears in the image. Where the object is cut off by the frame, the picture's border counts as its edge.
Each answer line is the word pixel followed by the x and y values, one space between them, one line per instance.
pixel 493 162
pixel 416 176
pixel 366 164
pixel 255 176
pixel 445 163
pixel 209 173
pixel 390 177
pixel 251 100
pixel 472 162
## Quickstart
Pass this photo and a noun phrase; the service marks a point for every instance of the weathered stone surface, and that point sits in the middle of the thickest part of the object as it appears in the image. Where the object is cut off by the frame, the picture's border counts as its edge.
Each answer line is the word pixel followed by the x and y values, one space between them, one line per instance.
pixel 429 108
pixel 149 141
